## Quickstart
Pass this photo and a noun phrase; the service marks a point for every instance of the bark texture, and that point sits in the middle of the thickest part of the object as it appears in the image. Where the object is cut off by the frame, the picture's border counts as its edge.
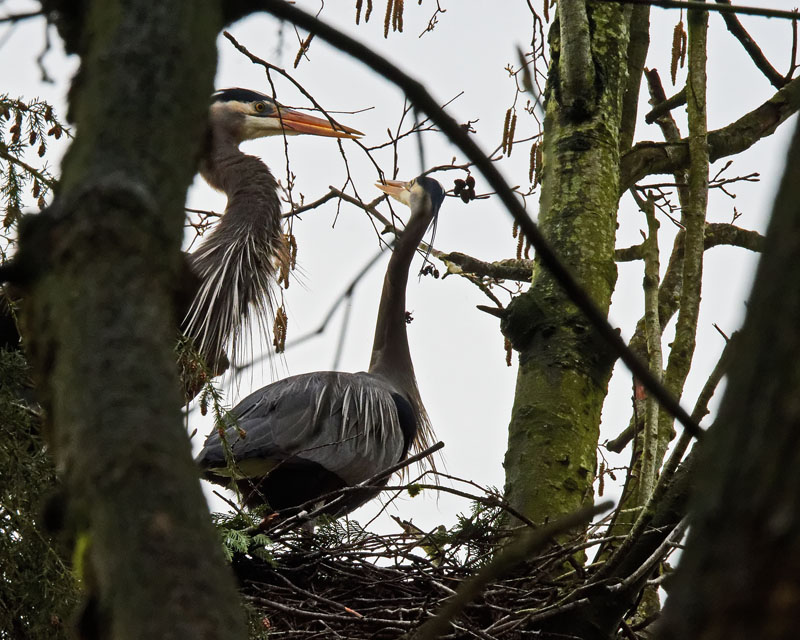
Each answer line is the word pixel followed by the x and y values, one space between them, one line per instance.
pixel 738 575
pixel 102 332
pixel 564 370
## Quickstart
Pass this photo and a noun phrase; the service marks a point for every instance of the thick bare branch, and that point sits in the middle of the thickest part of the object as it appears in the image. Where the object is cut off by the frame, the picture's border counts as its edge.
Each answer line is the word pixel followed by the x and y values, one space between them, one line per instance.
pixel 509 269
pixel 647 158
pixel 665 105
pixel 716 234
pixel 694 209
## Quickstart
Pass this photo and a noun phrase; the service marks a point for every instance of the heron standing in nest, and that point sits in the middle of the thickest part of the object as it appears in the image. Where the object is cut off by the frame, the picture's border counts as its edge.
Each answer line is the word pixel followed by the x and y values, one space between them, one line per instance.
pixel 302 437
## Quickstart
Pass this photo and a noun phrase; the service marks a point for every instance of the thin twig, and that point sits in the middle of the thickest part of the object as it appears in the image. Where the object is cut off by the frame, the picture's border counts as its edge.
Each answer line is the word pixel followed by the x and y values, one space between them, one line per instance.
pixel 18 17
pixel 753 50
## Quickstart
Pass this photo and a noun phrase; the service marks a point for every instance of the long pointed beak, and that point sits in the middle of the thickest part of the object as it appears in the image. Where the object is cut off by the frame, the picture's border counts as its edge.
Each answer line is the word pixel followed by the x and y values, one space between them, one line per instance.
pixel 301 123
pixel 393 187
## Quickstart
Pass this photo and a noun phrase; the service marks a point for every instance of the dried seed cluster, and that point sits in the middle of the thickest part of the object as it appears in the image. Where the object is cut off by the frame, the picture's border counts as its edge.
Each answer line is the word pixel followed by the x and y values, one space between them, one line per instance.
pixel 509 127
pixel 279 330
pixel 678 49
pixel 465 189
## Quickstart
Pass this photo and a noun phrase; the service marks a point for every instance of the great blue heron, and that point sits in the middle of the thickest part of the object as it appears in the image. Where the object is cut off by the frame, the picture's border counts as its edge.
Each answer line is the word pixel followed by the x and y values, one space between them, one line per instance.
pixel 302 437
pixel 236 263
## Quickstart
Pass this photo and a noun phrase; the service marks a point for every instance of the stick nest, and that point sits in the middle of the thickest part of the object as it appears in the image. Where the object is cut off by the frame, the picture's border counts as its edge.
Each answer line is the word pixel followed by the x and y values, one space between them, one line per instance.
pixel 346 582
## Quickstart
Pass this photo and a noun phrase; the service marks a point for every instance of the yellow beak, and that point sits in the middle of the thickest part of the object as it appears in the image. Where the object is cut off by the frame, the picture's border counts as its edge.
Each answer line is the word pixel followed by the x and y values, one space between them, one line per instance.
pixel 395 188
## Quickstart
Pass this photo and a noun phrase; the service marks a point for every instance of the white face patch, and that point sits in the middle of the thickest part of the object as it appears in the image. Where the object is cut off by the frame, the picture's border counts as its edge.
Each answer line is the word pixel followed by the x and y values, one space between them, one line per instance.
pixel 262 126
pixel 403 195
pixel 242 120
pixel 415 194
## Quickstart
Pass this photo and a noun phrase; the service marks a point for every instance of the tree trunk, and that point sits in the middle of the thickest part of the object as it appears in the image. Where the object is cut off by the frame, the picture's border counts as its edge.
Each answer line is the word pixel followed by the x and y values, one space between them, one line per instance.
pixel 564 369
pixel 738 575
pixel 102 334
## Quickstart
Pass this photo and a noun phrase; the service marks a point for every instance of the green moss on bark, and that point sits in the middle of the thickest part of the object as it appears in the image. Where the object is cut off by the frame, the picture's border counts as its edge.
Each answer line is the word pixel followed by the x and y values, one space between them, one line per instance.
pixel 102 331
pixel 564 370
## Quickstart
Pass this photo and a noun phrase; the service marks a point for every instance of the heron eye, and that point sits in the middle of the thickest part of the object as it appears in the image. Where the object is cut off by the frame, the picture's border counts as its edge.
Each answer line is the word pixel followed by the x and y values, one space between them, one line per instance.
pixel 260 106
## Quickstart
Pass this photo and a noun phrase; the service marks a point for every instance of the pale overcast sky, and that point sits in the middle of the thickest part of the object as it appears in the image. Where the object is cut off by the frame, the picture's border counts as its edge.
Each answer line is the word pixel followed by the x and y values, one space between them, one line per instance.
pixel 458 351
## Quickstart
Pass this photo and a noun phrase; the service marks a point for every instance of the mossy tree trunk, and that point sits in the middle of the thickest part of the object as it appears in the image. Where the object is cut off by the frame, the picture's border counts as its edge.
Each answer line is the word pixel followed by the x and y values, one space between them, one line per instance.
pixel 101 327
pixel 564 369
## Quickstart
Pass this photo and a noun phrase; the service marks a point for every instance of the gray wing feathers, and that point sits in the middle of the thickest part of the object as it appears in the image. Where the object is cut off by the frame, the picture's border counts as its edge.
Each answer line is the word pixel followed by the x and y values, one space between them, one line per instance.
pixel 346 422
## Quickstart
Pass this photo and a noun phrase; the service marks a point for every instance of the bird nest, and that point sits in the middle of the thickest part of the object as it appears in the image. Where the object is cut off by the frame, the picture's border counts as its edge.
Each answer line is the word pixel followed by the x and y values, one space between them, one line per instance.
pixel 345 582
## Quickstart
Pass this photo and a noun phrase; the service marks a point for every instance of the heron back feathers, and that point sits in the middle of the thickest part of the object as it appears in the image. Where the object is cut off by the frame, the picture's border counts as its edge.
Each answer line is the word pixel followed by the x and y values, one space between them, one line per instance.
pixel 353 425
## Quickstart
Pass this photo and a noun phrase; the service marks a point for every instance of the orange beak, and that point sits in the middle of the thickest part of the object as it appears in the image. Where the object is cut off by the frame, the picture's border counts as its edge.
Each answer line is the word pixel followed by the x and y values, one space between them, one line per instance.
pixel 297 122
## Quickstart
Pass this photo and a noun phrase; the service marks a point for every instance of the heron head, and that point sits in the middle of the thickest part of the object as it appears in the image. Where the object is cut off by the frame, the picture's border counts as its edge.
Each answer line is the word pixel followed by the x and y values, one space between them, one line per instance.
pixel 248 114
pixel 420 194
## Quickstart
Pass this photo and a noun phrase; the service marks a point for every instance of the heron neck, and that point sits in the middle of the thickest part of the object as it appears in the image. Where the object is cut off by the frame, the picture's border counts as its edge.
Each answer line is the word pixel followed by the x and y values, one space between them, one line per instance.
pixel 391 357
pixel 247 181
pixel 236 262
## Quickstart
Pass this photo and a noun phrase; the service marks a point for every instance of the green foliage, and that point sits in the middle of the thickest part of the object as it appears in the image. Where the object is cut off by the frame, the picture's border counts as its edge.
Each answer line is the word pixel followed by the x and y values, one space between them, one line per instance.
pixel 475 536
pixel 212 398
pixel 37 589
pixel 239 533
pixel 414 490
pixel 26 128
pixel 195 375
